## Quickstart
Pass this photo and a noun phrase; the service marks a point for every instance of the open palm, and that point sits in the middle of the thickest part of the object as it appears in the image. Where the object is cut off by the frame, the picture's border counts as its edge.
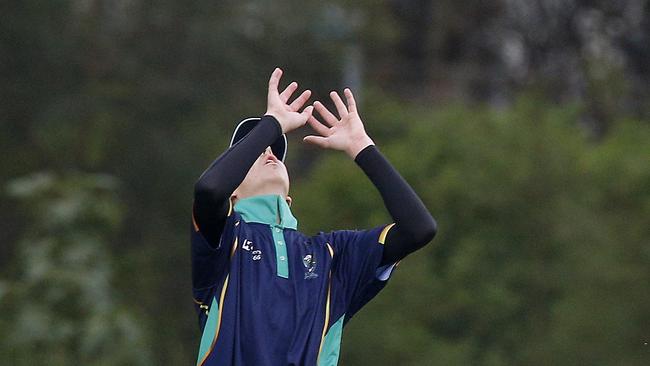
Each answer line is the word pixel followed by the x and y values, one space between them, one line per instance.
pixel 278 106
pixel 345 133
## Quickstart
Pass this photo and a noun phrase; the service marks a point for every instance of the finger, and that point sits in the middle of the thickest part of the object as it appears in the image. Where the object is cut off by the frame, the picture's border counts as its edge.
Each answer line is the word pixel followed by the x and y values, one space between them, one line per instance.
pixel 306 113
pixel 328 117
pixel 318 126
pixel 317 140
pixel 300 101
pixel 274 81
pixel 286 93
pixel 340 107
pixel 352 104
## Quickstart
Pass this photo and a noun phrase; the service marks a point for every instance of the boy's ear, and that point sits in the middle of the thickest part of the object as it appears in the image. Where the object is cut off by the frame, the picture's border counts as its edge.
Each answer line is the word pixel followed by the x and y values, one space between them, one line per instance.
pixel 289 200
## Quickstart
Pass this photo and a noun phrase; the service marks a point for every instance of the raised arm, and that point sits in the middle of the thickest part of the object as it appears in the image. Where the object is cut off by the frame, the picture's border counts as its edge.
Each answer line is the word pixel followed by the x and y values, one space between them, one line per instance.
pixel 414 225
pixel 213 189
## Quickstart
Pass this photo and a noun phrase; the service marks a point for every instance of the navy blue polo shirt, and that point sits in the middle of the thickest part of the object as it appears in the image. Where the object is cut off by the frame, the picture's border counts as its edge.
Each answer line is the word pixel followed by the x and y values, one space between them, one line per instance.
pixel 270 295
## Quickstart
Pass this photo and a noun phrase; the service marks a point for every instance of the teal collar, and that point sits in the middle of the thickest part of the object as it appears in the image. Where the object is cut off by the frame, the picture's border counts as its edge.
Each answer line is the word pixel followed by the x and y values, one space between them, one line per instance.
pixel 267 209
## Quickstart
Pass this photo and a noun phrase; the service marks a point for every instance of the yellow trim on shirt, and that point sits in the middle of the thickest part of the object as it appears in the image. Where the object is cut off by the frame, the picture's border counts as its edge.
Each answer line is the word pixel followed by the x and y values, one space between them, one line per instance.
pixel 234 247
pixel 327 314
pixel 329 247
pixel 382 236
pixel 221 298
pixel 229 206
pixel 216 334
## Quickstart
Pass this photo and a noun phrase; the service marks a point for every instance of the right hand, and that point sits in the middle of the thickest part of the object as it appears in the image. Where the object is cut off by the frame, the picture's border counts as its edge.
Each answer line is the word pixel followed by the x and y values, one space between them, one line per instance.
pixel 345 133
pixel 277 106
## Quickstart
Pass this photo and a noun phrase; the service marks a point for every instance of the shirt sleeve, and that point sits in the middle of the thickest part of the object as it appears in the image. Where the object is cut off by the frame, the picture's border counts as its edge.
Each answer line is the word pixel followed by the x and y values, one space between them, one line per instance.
pixel 209 263
pixel 357 270
pixel 213 189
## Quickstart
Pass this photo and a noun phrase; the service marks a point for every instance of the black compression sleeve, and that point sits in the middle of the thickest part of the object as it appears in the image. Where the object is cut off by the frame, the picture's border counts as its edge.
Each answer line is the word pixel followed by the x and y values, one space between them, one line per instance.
pixel 213 189
pixel 414 225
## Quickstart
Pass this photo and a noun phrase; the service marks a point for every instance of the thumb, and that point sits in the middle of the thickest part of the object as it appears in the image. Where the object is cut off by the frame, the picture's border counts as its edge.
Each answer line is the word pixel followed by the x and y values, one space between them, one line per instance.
pixel 306 113
pixel 317 140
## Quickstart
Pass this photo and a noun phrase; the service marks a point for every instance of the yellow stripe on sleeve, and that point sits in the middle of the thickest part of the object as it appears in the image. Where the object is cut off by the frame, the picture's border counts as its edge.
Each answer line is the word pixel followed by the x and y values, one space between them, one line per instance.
pixel 234 247
pixel 229 205
pixel 382 236
pixel 329 247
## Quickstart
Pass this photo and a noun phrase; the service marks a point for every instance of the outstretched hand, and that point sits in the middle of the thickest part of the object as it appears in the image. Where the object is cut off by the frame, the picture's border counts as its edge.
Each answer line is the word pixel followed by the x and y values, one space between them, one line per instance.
pixel 287 113
pixel 345 133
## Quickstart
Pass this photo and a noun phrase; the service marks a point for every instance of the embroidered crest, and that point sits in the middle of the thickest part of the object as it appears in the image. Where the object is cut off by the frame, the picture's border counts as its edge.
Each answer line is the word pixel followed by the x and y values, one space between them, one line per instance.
pixel 309 262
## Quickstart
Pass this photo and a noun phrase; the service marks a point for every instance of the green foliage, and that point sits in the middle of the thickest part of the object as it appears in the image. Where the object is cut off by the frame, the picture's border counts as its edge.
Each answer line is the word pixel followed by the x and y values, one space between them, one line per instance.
pixel 542 251
pixel 62 309
pixel 542 256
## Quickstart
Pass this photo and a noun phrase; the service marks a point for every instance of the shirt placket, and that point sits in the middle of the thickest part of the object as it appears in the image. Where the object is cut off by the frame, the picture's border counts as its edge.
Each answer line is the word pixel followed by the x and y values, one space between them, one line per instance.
pixel 281 257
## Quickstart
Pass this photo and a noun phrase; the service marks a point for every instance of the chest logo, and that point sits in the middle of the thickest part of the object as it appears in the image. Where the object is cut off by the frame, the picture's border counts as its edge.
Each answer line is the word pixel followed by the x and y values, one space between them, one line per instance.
pixel 248 246
pixel 309 262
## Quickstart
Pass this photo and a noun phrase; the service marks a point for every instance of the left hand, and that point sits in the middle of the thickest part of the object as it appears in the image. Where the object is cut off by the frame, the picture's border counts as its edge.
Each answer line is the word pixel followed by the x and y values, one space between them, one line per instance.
pixel 286 113
pixel 345 133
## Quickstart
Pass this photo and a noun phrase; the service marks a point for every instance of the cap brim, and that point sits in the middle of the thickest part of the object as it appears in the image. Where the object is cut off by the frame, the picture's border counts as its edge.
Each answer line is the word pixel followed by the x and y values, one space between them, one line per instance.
pixel 279 147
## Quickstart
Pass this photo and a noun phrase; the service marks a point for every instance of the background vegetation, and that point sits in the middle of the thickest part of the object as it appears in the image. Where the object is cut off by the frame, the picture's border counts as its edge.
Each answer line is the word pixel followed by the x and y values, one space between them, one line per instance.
pixel 524 126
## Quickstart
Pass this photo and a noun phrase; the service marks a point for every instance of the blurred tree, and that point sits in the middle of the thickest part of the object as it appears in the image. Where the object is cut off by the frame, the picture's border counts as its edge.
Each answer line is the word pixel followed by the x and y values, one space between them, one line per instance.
pixel 145 90
pixel 62 309
pixel 148 91
pixel 586 51
pixel 526 269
